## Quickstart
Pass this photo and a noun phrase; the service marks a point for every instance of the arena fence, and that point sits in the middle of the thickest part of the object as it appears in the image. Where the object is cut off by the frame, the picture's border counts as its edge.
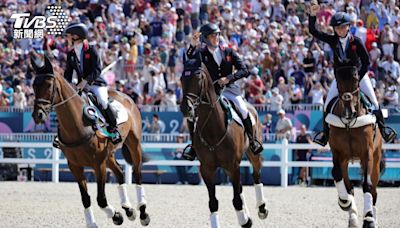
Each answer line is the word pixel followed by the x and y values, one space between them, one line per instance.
pixel 284 163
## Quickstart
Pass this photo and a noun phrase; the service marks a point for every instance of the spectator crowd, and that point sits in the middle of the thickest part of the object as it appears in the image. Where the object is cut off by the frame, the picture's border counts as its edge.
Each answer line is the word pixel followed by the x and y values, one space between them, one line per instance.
pixel 148 40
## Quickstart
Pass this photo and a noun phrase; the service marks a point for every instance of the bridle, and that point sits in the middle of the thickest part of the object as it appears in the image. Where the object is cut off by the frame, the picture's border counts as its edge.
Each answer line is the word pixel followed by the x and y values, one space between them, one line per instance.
pixel 347 97
pixel 45 104
pixel 196 101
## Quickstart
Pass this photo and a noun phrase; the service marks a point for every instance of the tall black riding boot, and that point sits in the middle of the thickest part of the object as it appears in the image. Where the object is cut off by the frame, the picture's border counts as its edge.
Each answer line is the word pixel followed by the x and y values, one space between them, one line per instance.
pixel 255 146
pixel 388 133
pixel 189 153
pixel 322 137
pixel 112 125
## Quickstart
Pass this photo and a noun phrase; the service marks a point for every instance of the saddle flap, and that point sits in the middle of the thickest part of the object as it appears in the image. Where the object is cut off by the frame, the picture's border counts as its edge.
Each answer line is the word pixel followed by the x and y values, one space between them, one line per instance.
pixel 232 111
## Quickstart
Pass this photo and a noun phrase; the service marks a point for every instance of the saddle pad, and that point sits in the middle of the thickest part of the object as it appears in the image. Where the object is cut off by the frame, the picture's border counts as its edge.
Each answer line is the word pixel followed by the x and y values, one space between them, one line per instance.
pixel 235 115
pixel 238 120
pixel 122 114
pixel 356 123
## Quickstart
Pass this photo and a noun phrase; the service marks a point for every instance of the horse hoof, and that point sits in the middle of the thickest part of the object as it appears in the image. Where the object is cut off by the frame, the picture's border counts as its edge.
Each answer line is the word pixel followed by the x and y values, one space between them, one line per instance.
pixel 145 221
pixel 262 212
pixel 369 221
pixel 344 204
pixel 368 224
pixel 117 218
pixel 130 213
pixel 248 224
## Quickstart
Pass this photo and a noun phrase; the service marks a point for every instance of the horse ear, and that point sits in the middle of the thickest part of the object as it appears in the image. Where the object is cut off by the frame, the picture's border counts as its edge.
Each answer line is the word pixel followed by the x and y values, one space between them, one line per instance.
pixel 47 65
pixel 34 63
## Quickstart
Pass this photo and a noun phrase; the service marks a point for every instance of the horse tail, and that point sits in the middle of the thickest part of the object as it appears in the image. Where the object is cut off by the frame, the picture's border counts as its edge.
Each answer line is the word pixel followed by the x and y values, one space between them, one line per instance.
pixel 126 154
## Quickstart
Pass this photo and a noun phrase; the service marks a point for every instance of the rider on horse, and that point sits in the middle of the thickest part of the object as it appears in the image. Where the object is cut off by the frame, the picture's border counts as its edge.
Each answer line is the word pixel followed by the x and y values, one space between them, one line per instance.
pixel 348 51
pixel 84 61
pixel 219 62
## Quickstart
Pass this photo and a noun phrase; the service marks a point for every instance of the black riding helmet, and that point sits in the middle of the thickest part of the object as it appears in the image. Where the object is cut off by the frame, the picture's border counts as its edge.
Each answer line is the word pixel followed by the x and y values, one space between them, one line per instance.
pixel 208 29
pixel 340 18
pixel 78 29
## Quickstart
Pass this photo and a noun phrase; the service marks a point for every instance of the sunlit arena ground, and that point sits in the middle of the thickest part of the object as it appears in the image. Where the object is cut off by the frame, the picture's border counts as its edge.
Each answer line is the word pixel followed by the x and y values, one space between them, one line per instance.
pixel 35 204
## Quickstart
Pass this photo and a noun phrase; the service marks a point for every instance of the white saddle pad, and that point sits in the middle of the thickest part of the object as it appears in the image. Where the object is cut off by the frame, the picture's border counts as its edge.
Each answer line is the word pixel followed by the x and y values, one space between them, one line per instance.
pixel 122 114
pixel 238 120
pixel 356 123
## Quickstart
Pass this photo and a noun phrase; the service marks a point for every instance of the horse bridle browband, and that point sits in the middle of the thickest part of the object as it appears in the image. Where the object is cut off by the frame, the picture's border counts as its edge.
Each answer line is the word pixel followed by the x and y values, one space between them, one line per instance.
pixel 44 102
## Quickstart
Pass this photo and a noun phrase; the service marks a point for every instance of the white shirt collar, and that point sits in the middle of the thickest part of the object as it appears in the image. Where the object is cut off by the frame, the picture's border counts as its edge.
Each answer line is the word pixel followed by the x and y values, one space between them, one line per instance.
pixel 216 53
pixel 78 49
pixel 343 41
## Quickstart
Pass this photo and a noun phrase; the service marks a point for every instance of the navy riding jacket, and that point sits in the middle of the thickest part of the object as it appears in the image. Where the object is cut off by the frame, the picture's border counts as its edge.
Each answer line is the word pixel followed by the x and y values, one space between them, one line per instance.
pixel 355 53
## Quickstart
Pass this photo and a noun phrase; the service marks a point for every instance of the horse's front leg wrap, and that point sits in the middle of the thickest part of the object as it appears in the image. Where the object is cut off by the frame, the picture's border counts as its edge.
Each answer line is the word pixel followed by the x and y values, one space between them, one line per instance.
pixel 214 218
pixel 109 210
pixel 260 200
pixel 368 203
pixel 242 217
pixel 89 217
pixel 123 195
pixel 341 189
pixel 140 195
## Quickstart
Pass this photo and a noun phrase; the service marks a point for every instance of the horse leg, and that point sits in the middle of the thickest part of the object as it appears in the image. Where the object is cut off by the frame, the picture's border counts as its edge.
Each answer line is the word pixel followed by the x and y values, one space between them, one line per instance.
pixel 133 144
pixel 353 212
pixel 208 174
pixel 123 194
pixel 367 164
pixel 345 199
pixel 77 171
pixel 375 179
pixel 258 186
pixel 238 199
pixel 100 170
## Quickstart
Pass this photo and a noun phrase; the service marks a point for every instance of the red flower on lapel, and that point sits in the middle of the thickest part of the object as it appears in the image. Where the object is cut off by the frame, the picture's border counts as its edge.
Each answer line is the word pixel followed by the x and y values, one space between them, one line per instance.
pixel 87 56
pixel 354 47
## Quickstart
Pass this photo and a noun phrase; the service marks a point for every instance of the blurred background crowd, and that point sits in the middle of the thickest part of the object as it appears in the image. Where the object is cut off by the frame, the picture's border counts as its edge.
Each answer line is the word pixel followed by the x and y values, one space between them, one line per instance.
pixel 148 39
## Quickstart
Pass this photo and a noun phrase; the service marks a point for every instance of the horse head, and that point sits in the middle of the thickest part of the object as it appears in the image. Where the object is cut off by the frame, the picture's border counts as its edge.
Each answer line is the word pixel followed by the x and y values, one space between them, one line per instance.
pixel 44 87
pixel 195 83
pixel 349 92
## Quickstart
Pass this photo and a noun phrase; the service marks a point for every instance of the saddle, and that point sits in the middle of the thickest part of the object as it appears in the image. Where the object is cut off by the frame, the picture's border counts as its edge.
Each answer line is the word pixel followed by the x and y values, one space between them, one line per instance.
pixel 93 113
pixel 232 112
pixel 360 121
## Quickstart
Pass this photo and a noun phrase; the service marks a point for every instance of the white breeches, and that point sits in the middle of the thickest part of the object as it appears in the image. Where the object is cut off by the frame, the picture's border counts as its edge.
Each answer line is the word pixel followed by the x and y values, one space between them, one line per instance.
pixel 365 87
pixel 239 102
pixel 101 93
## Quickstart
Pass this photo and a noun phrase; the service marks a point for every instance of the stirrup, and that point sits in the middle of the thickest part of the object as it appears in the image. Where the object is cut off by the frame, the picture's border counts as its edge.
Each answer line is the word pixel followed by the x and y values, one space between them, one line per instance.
pixel 117 136
pixel 321 140
pixel 189 153
pixel 256 147
pixel 56 142
pixel 389 137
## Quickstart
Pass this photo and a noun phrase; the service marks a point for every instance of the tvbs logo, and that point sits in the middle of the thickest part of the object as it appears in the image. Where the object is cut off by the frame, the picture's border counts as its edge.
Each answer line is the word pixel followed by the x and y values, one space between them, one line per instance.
pixel 33 28
pixel 39 22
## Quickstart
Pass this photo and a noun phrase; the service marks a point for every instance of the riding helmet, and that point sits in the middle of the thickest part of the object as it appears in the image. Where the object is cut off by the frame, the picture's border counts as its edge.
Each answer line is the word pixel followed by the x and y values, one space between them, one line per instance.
pixel 209 29
pixel 79 29
pixel 340 18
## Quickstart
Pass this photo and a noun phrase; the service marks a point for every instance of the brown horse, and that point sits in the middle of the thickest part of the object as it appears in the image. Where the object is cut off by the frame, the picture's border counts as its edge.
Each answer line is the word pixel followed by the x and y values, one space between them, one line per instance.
pixel 354 135
pixel 83 147
pixel 220 145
